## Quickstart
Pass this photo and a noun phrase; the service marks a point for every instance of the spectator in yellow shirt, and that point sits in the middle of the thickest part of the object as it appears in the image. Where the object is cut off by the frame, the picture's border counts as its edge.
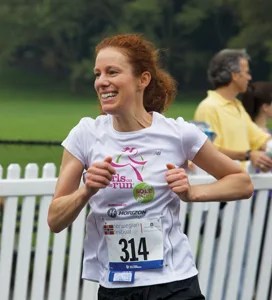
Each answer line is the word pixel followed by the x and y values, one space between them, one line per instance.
pixel 237 135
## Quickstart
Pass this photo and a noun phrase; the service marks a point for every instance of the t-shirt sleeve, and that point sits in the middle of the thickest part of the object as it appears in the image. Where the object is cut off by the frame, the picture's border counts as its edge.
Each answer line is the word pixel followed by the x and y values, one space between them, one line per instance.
pixel 77 139
pixel 192 138
pixel 207 113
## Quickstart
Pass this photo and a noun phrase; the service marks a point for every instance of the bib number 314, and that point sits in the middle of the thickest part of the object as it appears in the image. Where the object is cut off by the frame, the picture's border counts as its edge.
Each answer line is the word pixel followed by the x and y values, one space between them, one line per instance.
pixel 129 250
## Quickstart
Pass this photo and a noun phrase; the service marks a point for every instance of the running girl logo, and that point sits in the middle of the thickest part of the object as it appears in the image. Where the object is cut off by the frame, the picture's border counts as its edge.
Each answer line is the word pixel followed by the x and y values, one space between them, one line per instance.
pixel 142 191
pixel 134 161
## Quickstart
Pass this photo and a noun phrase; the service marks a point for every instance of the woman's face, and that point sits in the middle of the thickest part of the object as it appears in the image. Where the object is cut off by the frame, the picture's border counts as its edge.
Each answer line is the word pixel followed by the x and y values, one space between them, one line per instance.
pixel 267 109
pixel 115 84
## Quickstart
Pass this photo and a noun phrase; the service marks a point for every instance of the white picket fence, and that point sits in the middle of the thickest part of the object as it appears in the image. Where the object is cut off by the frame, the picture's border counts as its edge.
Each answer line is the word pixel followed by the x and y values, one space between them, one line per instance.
pixel 37 264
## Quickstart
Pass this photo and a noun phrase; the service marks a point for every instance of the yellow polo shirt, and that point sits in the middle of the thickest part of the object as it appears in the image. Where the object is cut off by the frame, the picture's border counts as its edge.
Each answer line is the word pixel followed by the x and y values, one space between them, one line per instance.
pixel 229 120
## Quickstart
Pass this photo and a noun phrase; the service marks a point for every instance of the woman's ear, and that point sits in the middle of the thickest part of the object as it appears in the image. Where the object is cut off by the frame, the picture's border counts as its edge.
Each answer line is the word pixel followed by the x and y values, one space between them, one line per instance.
pixel 145 79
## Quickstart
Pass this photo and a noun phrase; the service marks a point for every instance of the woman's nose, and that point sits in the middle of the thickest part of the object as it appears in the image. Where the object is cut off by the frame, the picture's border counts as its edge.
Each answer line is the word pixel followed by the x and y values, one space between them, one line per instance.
pixel 102 80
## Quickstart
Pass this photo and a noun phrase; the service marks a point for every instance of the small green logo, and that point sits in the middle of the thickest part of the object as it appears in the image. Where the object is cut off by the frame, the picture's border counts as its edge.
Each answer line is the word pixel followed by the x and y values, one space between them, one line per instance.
pixel 143 192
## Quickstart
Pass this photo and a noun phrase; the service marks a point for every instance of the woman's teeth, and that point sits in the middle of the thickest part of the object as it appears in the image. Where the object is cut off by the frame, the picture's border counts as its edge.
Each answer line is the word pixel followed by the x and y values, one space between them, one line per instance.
pixel 108 95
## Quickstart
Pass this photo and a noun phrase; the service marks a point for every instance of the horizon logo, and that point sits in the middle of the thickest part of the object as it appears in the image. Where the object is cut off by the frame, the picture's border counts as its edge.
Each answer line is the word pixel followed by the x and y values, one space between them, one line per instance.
pixel 113 213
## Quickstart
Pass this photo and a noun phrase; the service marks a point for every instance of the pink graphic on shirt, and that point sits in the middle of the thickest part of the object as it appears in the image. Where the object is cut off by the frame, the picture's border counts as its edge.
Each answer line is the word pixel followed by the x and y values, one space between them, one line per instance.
pixel 133 153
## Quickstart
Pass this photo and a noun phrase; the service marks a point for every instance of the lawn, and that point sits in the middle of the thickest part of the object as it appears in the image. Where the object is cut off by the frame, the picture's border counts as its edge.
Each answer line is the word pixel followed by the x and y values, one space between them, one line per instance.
pixel 39 108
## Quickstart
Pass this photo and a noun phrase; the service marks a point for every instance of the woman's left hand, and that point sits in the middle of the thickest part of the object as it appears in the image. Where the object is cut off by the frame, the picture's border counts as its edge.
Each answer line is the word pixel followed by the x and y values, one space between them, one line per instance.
pixel 178 182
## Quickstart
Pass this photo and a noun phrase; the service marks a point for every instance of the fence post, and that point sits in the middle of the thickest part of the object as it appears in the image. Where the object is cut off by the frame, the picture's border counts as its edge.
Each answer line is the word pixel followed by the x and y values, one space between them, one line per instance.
pixel 25 238
pixel 264 280
pixel 42 241
pixel 8 236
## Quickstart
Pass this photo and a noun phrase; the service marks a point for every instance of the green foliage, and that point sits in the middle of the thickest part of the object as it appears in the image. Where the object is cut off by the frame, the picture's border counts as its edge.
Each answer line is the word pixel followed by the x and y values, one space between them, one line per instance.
pixel 60 36
pixel 256 28
pixel 192 15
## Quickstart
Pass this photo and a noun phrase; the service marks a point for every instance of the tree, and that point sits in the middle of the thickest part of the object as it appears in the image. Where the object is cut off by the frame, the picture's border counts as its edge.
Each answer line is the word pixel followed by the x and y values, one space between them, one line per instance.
pixel 255 34
pixel 60 36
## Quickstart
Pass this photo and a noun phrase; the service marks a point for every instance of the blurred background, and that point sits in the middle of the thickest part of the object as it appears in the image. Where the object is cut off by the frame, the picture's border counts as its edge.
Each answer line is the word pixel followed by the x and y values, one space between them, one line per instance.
pixel 46 59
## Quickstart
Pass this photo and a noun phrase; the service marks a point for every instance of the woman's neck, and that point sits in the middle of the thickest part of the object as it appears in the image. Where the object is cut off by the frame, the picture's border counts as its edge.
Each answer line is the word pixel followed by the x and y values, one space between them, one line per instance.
pixel 132 122
pixel 261 121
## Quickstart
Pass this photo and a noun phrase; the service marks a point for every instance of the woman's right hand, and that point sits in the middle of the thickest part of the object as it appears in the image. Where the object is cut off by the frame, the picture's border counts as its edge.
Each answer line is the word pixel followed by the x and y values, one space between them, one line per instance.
pixel 99 175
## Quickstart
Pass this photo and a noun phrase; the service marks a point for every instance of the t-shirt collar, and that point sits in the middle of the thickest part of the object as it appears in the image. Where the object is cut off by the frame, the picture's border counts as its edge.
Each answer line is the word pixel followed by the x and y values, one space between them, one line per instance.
pixel 221 100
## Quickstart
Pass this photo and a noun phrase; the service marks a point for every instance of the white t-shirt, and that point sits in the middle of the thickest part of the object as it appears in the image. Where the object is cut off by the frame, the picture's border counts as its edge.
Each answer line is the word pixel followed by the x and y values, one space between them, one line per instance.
pixel 133 232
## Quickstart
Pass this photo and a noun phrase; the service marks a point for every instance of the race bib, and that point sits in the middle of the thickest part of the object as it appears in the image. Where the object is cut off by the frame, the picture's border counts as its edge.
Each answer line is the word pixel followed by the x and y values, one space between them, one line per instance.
pixel 134 245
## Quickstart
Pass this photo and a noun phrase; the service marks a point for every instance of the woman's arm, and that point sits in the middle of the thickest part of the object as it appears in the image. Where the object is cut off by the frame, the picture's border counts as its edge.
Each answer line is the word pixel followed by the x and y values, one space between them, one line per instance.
pixel 232 182
pixel 70 198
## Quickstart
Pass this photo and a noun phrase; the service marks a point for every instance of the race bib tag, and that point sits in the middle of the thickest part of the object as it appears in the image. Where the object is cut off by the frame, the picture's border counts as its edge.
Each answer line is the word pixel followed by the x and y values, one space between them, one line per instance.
pixel 134 245
pixel 126 276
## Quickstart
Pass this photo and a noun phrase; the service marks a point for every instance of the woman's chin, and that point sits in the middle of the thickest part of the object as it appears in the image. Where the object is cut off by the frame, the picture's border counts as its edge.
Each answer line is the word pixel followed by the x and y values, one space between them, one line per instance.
pixel 108 109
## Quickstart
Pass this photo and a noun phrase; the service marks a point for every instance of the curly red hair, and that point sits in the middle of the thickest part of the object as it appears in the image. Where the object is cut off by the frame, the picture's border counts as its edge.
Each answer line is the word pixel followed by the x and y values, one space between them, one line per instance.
pixel 143 56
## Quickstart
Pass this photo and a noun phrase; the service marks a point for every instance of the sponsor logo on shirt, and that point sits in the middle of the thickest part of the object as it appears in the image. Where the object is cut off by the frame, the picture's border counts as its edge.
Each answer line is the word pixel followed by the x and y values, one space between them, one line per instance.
pixel 130 158
pixel 113 213
pixel 117 204
pixel 120 229
pixel 108 229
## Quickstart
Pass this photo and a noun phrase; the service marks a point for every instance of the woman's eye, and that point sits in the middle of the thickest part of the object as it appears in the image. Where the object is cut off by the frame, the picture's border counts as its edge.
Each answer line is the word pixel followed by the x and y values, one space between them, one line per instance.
pixel 112 72
pixel 96 75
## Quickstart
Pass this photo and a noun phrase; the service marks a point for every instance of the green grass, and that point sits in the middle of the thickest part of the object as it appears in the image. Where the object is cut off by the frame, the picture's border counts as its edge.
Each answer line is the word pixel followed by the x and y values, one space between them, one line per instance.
pixel 36 107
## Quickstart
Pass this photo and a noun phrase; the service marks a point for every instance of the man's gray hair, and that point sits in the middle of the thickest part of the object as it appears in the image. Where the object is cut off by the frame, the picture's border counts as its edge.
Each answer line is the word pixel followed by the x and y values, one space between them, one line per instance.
pixel 223 64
